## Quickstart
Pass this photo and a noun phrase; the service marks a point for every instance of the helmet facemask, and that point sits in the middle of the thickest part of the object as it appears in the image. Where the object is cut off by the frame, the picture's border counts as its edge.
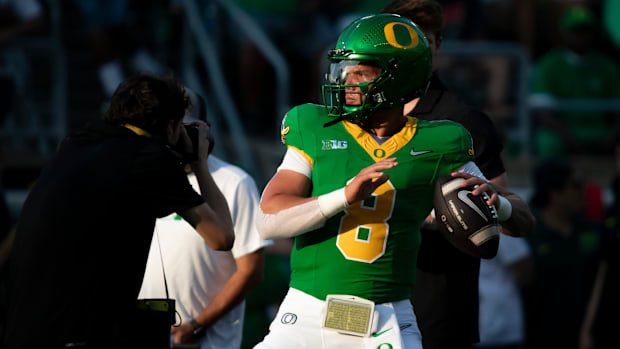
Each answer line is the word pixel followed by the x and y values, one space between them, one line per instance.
pixel 353 89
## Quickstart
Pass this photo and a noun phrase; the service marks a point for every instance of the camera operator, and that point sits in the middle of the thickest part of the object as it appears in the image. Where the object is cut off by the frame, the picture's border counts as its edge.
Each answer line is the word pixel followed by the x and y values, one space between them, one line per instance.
pixel 84 234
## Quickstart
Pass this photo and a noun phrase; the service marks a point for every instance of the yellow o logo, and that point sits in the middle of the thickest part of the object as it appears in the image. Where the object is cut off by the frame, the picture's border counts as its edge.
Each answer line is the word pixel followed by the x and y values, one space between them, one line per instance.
pixel 391 37
pixel 379 153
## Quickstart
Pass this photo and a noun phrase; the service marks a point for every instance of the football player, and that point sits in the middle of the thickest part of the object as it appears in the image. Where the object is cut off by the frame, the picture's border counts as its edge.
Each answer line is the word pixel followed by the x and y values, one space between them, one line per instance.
pixel 356 178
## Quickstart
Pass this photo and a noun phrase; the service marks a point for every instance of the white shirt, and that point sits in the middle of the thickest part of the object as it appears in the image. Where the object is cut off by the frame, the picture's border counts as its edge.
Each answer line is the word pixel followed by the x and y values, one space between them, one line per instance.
pixel 501 308
pixel 196 273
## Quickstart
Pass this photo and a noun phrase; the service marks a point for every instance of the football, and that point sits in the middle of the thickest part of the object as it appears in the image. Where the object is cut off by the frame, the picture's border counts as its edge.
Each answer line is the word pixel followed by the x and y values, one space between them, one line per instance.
pixel 464 219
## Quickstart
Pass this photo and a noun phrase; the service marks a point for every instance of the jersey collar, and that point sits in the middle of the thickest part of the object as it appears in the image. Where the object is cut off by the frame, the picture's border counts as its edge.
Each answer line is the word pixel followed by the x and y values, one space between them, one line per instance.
pixel 382 151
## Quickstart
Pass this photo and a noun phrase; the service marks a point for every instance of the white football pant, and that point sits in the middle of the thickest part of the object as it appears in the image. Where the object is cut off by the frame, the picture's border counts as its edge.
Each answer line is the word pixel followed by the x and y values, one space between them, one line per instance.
pixel 298 325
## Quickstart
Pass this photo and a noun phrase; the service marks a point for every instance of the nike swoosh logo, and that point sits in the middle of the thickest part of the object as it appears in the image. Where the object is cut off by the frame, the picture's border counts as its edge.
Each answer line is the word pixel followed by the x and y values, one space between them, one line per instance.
pixel 415 153
pixel 463 197
pixel 380 333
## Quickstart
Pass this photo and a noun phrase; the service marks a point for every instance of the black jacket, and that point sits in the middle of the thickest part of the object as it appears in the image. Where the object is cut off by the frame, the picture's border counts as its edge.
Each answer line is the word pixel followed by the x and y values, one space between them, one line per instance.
pixel 445 297
pixel 83 238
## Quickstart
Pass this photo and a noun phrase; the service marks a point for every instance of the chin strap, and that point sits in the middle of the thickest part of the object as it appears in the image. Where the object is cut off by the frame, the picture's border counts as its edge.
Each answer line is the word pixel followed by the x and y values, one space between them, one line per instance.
pixel 335 121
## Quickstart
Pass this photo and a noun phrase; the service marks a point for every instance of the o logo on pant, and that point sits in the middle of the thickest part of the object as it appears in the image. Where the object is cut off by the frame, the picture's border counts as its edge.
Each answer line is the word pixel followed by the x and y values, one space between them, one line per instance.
pixel 288 319
pixel 385 346
pixel 390 35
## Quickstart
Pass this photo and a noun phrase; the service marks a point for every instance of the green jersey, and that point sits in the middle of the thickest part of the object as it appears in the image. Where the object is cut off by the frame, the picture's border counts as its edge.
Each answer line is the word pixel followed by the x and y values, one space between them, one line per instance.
pixel 370 249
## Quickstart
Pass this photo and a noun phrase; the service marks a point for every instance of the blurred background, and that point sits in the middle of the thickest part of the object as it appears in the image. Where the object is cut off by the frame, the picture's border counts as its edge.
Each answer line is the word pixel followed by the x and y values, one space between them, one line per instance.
pixel 252 60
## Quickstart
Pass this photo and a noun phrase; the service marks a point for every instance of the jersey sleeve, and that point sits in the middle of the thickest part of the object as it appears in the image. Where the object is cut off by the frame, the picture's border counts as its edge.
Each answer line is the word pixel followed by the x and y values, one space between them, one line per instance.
pixel 487 144
pixel 454 146
pixel 291 134
pixel 294 161
pixel 473 170
pixel 458 145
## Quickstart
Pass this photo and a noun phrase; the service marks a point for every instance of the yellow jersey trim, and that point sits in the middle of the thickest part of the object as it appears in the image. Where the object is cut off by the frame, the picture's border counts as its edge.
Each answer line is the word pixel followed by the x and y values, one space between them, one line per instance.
pixel 378 151
pixel 306 156
pixel 137 130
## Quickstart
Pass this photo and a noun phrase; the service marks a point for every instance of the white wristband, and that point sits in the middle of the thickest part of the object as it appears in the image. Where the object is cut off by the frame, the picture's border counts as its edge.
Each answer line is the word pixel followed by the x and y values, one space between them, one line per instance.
pixel 332 203
pixel 505 209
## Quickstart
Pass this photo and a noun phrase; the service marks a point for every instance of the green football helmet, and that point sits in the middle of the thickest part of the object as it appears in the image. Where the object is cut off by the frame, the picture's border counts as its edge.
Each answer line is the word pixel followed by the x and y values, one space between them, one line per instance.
pixel 394 48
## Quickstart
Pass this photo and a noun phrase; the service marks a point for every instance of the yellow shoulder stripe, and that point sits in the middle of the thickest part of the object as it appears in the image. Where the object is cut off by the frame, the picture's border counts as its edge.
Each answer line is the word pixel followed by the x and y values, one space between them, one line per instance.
pixel 302 153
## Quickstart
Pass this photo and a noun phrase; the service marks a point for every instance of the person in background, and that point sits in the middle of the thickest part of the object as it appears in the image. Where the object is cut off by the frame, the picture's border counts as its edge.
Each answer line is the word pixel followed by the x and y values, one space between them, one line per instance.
pixel 565 250
pixel 262 303
pixel 575 70
pixel 502 319
pixel 599 329
pixel 209 286
pixel 83 236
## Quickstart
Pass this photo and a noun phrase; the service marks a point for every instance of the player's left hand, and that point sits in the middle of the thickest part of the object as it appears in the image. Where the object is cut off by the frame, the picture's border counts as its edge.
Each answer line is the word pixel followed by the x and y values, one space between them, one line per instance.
pixel 482 187
pixel 183 334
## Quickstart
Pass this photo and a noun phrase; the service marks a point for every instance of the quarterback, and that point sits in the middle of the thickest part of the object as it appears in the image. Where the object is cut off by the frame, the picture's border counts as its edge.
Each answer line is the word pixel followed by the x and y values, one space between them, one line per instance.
pixel 353 188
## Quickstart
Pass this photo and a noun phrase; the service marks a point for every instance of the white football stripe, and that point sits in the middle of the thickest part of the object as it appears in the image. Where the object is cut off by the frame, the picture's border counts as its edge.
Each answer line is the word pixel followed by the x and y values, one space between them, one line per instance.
pixel 451 186
pixel 484 234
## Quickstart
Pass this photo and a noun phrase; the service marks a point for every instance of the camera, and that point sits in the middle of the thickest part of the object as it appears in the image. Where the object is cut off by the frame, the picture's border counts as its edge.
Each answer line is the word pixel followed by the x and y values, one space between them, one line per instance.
pixel 194 134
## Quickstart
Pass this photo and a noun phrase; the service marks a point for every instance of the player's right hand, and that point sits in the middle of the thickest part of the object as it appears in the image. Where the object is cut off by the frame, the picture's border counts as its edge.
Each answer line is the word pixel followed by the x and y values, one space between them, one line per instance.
pixel 368 180
pixel 481 186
